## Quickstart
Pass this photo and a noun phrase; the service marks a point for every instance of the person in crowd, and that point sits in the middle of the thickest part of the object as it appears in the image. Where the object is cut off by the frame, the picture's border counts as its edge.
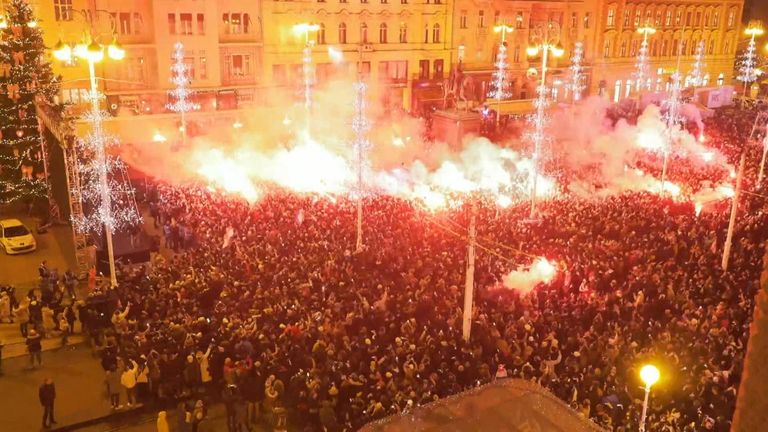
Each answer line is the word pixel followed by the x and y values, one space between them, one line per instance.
pixel 112 380
pixel 47 396
pixel 162 422
pixel 21 314
pixel 128 380
pixel 70 283
pixel 34 348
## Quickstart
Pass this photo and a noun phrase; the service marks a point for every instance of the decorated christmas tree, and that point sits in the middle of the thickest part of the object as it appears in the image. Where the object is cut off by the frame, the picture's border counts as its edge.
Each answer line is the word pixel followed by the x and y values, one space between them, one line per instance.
pixel 25 75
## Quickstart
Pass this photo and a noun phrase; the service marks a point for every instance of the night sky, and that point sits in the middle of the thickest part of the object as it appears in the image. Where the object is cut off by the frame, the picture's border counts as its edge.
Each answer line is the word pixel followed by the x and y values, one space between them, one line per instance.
pixel 756 9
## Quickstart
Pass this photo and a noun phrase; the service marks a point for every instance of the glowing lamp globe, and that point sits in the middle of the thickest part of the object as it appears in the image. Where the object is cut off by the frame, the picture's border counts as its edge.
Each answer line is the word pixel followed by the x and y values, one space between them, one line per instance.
pixel 19 133
pixel 62 51
pixel 115 51
pixel 532 51
pixel 650 375
pixel 32 24
pixel 94 53
pixel 558 50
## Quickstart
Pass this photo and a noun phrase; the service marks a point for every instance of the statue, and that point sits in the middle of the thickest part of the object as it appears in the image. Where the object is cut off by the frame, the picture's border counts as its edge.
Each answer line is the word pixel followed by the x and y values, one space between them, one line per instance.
pixel 459 87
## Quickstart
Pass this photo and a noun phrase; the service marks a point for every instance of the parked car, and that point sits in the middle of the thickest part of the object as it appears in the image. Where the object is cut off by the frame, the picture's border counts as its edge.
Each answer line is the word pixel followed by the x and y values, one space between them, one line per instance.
pixel 15 237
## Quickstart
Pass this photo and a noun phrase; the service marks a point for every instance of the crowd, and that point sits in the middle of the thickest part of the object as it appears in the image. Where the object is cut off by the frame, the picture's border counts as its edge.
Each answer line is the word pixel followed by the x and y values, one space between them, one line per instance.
pixel 266 307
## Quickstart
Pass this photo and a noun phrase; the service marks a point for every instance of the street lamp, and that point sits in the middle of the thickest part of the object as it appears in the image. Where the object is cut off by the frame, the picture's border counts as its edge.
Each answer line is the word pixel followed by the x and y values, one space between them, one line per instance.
pixel 546 39
pixel 93 53
pixel 304 29
pixel 649 374
pixel 500 74
pixel 642 56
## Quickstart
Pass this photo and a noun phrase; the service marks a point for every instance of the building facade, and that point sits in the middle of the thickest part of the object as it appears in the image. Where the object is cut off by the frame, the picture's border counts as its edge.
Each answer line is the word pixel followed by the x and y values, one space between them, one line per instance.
pixel 239 50
pixel 680 27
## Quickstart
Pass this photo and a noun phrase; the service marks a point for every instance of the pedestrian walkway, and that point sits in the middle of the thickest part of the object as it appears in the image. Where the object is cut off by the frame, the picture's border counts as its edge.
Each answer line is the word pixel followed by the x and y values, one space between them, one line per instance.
pixel 79 381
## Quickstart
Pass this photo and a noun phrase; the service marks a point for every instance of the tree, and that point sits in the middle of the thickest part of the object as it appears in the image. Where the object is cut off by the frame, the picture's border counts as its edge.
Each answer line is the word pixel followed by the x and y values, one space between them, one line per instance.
pixel 25 76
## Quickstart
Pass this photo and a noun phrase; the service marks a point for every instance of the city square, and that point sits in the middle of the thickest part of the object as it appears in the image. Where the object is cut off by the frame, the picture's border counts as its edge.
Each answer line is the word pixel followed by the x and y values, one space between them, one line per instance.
pixel 408 216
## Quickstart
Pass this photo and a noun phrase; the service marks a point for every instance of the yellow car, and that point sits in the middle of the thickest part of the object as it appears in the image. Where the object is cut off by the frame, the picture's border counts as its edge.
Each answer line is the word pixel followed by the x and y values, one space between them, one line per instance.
pixel 16 237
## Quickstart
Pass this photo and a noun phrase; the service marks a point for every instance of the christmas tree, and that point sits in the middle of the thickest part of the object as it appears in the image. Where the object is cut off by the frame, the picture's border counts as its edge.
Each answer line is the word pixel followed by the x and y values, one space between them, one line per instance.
pixel 25 76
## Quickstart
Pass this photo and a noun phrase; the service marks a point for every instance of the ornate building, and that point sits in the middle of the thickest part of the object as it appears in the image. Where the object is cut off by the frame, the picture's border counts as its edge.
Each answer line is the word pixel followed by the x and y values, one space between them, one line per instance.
pixel 239 50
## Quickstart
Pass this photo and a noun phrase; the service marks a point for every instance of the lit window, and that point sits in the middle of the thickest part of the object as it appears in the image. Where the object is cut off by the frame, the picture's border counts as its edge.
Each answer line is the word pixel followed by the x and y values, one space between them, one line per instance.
pixel 62 10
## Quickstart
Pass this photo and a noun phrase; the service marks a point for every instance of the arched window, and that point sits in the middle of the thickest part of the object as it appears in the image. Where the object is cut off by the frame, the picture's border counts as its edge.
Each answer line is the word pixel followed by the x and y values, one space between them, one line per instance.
pixel 426 33
pixel 436 33
pixel 364 33
pixel 403 33
pixel 342 33
pixel 383 33
pixel 321 34
pixel 246 23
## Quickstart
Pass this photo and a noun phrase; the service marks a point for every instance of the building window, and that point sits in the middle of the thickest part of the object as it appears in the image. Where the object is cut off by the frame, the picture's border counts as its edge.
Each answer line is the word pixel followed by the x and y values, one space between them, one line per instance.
pixel 463 19
pixel 239 65
pixel 200 24
pixel 396 71
pixel 668 19
pixel 638 15
pixel 720 79
pixel 633 48
pixel 138 23
pixel 481 19
pixel 203 66
pixel 516 54
pixel 654 46
pixel 684 47
pixel 607 49
pixel 403 33
pixel 426 33
pixel 688 19
pixel 617 91
pixel 438 68
pixel 648 17
pixel 574 19
pixel 342 33
pixel 731 18
pixel 711 49
pixel 185 23
pixel 125 23
pixel 727 49
pixel 436 33
pixel 623 49
pixel 698 19
pixel 246 23
pixel 678 18
pixel 235 23
pixel 364 33
pixel 403 1
pixel 496 17
pixel 383 1
pixel 611 20
pixel 172 23
pixel 587 17
pixel 664 48
pixel 519 20
pixel 383 33
pixel 423 69
pixel 189 62
pixel 716 19
pixel 321 34
pixel 627 17
pixel 62 10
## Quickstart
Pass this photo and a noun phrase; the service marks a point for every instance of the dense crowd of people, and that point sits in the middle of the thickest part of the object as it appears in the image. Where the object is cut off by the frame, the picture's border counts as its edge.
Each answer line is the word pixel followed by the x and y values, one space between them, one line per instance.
pixel 266 306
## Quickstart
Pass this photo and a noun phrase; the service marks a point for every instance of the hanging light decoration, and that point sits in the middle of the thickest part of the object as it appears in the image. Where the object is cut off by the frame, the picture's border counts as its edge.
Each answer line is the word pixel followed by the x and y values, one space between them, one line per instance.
pixel 181 93
pixel 577 71
pixel 697 74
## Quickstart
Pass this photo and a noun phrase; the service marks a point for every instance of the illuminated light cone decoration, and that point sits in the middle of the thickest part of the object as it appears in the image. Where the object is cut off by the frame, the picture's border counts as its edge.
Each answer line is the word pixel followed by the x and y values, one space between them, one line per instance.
pixel 499 86
pixel 181 93
pixel 361 144
pixel 672 118
pixel 577 71
pixel 641 66
pixel 106 193
pixel 748 66
pixel 697 74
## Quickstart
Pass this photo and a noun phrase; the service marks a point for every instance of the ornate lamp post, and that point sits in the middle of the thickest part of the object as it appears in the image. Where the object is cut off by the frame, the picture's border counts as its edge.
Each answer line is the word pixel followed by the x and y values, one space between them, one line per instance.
pixel 748 70
pixel 93 53
pixel 649 374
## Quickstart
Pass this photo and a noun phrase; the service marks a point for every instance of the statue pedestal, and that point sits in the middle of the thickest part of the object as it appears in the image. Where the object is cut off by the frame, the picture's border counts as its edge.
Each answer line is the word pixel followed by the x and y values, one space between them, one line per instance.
pixel 450 127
